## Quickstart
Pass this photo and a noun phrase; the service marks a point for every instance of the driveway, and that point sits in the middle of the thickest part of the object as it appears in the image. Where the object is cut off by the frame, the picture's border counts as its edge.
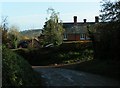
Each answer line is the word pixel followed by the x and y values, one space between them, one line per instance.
pixel 64 77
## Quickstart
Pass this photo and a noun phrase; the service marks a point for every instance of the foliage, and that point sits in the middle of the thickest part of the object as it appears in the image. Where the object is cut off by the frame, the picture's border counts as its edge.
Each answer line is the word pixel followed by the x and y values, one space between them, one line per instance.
pixel 108 43
pixel 16 71
pixel 105 36
pixel 4 36
pixel 13 36
pixel 9 37
pixel 4 23
pixel 31 33
pixel 105 40
pixel 75 46
pixel 24 38
pixel 53 30
pixel 108 32
pixel 76 52
pixel 73 56
pixel 110 11
pixel 4 29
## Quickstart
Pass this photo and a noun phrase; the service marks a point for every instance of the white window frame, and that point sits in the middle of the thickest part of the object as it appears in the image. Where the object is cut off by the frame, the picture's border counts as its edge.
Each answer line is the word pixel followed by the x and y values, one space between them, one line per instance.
pixel 65 36
pixel 88 38
pixel 82 36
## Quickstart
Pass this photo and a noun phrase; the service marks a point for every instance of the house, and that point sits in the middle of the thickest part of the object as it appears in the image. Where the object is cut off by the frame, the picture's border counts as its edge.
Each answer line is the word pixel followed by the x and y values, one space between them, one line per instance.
pixel 29 43
pixel 76 31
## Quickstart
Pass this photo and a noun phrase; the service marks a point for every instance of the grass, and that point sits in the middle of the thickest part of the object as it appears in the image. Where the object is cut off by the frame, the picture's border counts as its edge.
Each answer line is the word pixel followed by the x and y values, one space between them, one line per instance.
pixel 107 68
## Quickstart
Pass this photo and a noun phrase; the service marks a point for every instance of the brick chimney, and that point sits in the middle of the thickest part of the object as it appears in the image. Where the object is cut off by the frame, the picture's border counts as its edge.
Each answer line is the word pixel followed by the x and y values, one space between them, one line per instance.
pixel 84 20
pixel 75 19
pixel 96 19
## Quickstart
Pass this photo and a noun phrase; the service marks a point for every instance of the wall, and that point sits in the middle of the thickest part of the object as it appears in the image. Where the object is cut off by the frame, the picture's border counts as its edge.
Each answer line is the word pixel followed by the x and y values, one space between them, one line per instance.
pixel 74 37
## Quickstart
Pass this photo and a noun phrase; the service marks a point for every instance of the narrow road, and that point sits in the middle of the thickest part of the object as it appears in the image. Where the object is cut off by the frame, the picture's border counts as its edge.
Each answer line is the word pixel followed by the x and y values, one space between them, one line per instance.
pixel 65 77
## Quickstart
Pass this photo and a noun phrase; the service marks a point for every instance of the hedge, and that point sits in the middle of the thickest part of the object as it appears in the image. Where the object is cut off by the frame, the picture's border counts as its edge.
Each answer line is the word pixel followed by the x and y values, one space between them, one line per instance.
pixel 16 71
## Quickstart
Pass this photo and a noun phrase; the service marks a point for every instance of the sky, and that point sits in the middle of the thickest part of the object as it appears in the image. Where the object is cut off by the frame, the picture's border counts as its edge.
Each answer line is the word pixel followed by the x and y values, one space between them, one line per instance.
pixel 33 14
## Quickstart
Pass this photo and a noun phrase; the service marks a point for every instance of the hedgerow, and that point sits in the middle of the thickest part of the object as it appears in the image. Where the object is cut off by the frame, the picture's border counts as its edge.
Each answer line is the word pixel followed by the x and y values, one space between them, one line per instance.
pixel 16 71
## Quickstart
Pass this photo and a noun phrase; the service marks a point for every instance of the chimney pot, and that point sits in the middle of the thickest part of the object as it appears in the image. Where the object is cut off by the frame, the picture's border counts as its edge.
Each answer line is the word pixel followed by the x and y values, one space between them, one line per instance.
pixel 96 19
pixel 75 19
pixel 84 20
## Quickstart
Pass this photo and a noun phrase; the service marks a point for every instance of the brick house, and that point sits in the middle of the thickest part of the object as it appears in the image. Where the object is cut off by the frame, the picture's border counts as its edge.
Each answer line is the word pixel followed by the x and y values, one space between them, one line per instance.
pixel 76 31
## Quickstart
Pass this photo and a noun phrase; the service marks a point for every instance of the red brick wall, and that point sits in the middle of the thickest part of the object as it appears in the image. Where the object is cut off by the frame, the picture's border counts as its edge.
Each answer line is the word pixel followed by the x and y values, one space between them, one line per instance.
pixel 70 37
pixel 77 37
pixel 74 37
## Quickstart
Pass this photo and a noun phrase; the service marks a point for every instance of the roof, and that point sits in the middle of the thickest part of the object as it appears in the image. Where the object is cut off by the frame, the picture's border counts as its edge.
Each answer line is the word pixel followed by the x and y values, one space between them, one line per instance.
pixel 68 24
pixel 80 27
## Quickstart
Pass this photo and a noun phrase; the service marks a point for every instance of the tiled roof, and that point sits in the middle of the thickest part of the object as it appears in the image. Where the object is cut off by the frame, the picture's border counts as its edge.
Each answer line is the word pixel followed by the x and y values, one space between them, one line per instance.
pixel 78 28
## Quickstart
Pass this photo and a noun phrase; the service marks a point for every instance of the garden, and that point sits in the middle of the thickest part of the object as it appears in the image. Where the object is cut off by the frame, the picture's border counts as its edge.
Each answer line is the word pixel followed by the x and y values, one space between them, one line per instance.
pixel 66 53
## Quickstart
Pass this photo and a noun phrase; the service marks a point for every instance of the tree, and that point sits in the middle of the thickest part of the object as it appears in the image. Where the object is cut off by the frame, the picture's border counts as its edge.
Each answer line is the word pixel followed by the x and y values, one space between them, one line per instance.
pixel 4 29
pixel 53 30
pixel 13 36
pixel 110 11
pixel 109 31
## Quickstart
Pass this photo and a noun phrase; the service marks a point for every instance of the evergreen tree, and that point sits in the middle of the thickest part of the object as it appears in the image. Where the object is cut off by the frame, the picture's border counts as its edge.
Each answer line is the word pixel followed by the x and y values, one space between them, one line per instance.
pixel 53 29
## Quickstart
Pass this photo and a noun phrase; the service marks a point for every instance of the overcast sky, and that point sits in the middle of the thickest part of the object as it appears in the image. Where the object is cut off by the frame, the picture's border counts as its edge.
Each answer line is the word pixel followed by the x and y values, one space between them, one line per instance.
pixel 27 15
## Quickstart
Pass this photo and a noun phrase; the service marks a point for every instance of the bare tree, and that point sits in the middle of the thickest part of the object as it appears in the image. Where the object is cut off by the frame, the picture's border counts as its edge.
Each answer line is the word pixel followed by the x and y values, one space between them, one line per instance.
pixel 4 29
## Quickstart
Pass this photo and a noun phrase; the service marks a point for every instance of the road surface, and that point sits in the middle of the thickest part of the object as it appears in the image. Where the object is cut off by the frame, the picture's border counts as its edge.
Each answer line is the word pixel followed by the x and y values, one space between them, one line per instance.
pixel 64 77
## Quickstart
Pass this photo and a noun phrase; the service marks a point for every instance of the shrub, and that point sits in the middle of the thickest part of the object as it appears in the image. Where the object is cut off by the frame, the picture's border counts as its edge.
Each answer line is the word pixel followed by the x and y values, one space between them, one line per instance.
pixel 75 46
pixel 16 71
pixel 74 51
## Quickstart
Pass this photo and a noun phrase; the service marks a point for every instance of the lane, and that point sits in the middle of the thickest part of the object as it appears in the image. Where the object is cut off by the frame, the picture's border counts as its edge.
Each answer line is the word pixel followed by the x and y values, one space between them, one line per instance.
pixel 64 77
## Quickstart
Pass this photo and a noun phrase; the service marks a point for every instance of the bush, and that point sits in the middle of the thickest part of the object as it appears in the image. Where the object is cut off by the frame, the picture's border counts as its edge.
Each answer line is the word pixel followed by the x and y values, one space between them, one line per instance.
pixel 75 46
pixel 109 41
pixel 75 52
pixel 16 71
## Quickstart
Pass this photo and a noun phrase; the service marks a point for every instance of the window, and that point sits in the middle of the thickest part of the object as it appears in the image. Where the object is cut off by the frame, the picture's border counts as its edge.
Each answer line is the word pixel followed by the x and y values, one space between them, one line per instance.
pixel 82 36
pixel 88 38
pixel 65 36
